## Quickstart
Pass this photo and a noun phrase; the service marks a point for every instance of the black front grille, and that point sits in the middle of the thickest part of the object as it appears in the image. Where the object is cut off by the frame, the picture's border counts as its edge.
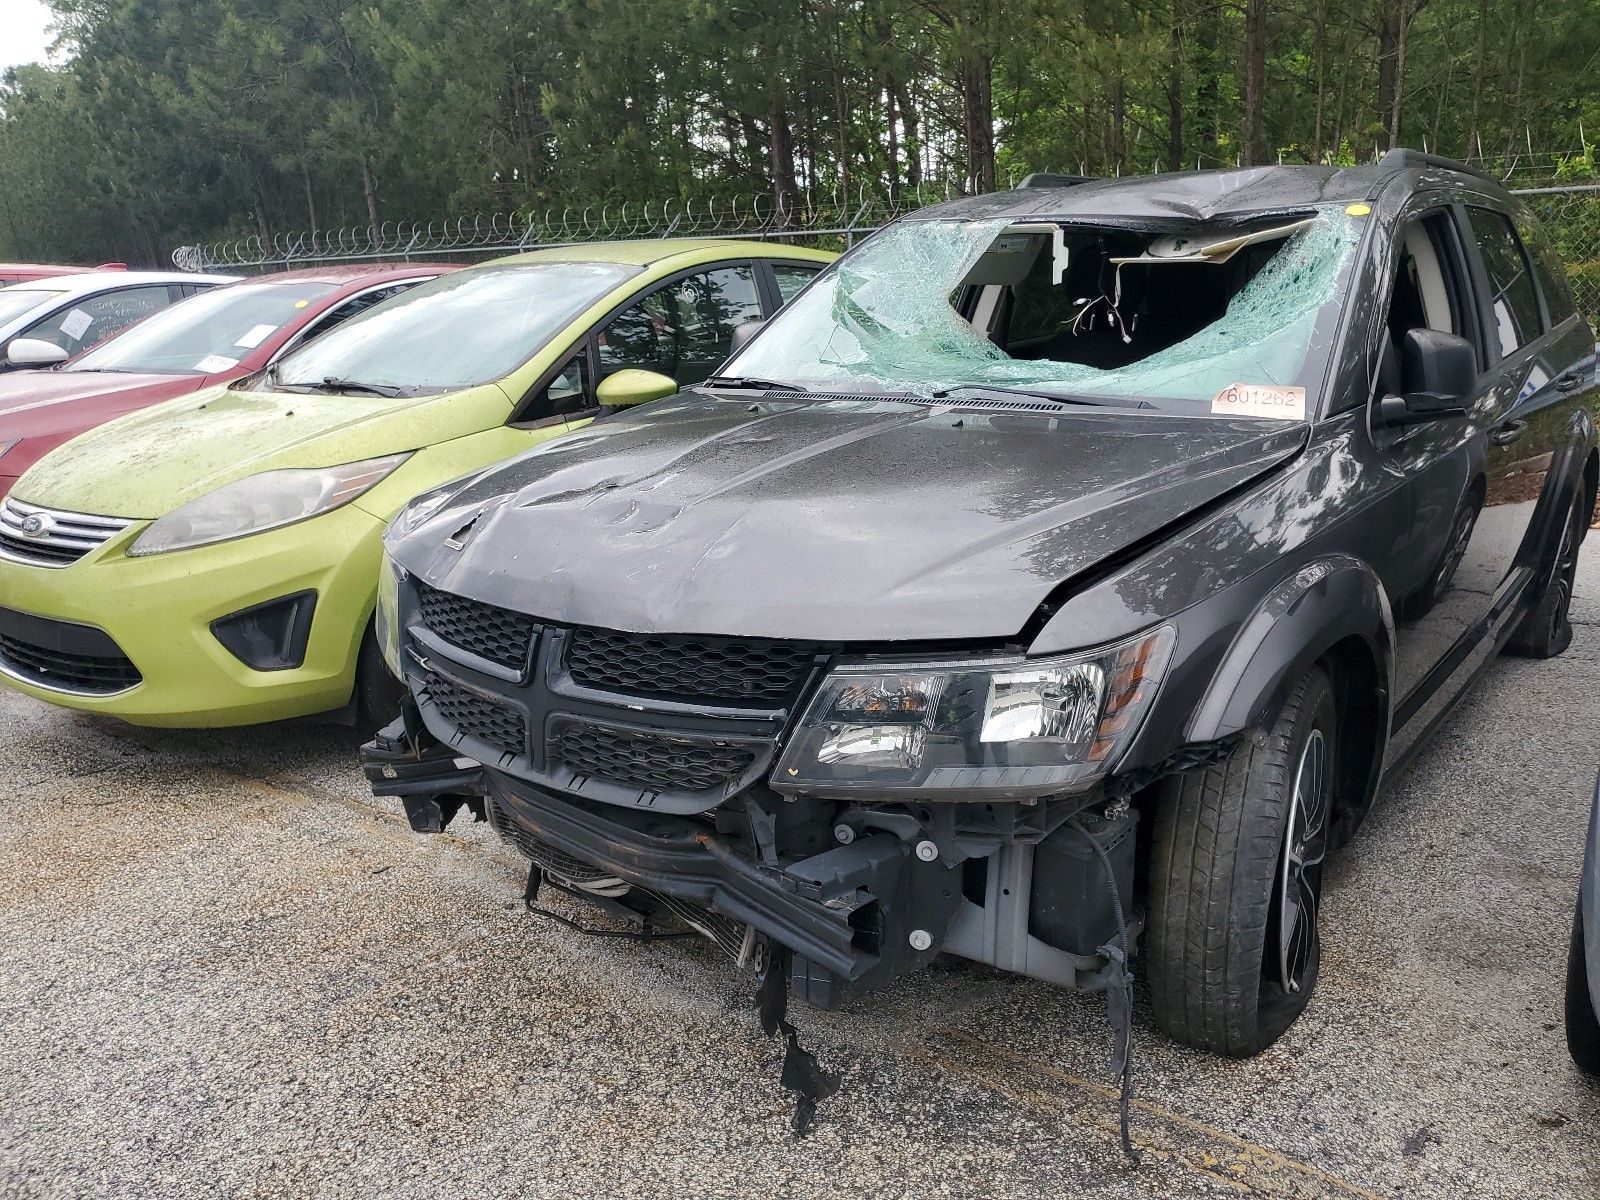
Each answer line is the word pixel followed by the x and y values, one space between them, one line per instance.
pixel 478 717
pixel 498 634
pixel 692 669
pixel 647 760
pixel 63 655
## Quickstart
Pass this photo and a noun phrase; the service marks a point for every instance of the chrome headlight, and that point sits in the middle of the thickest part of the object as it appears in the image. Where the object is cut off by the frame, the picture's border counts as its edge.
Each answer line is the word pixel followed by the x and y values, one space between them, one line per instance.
pixel 999 728
pixel 260 502
pixel 387 621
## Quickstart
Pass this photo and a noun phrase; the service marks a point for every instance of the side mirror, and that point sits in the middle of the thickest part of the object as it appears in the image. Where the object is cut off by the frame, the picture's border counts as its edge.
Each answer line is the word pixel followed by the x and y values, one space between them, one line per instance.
pixel 1438 374
pixel 34 352
pixel 742 333
pixel 630 387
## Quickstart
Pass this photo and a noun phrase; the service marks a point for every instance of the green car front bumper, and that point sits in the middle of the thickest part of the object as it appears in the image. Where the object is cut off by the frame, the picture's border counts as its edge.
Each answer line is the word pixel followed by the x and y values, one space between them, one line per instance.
pixel 134 638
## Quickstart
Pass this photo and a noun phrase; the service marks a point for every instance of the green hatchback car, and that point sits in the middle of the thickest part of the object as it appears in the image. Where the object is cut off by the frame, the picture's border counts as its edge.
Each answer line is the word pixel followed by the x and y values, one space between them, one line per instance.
pixel 214 561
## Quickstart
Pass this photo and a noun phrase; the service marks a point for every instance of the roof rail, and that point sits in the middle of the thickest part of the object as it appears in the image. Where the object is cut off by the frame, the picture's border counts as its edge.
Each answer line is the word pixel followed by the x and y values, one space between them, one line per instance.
pixel 1048 179
pixel 1401 158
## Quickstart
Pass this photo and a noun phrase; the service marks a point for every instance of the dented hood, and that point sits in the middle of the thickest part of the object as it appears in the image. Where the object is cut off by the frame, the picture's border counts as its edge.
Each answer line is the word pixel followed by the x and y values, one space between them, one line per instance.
pixel 834 520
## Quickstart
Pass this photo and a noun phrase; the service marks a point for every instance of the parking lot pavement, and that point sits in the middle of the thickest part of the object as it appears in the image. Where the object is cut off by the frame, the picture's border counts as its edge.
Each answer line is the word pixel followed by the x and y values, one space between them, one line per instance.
pixel 225 970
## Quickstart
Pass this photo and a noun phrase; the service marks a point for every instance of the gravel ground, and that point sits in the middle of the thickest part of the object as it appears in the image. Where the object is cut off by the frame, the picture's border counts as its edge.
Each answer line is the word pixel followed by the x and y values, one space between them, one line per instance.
pixel 227 971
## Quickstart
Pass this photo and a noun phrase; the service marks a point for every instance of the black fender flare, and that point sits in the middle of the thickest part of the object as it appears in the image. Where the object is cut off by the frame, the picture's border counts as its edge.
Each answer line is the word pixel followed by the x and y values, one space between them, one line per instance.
pixel 1324 602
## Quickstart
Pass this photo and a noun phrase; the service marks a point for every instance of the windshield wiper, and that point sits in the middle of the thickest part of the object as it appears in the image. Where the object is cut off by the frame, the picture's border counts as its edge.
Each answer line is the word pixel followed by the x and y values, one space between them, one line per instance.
pixel 745 382
pixel 1053 397
pixel 333 383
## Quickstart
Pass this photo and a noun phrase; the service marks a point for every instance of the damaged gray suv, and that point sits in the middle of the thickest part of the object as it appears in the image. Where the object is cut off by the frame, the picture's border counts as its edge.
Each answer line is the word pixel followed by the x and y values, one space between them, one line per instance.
pixel 1053 583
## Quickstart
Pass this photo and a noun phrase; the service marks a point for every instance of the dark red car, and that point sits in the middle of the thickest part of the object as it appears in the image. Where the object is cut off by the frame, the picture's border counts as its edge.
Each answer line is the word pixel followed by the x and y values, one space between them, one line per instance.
pixel 24 272
pixel 217 336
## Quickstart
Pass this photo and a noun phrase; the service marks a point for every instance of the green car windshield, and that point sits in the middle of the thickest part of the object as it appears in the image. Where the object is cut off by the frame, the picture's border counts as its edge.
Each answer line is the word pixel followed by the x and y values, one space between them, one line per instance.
pixel 1231 319
pixel 204 334
pixel 459 330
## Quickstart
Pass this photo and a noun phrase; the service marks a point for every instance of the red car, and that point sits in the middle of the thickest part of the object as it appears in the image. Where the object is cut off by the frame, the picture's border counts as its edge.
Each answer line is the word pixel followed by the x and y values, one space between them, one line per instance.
pixel 24 272
pixel 220 335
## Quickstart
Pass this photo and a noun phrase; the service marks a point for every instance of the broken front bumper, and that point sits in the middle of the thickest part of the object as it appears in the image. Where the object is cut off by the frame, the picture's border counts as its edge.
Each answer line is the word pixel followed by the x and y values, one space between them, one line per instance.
pixel 1022 890
pixel 855 916
pixel 842 912
pixel 432 783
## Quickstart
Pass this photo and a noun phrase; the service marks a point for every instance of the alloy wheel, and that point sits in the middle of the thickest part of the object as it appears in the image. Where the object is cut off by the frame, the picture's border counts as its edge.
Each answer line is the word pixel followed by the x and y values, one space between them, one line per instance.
pixel 1298 887
pixel 1566 573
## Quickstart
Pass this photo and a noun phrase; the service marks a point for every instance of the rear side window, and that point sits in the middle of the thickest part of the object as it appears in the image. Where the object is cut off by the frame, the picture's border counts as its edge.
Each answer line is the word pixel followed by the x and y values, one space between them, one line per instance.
pixel 1548 271
pixel 1512 298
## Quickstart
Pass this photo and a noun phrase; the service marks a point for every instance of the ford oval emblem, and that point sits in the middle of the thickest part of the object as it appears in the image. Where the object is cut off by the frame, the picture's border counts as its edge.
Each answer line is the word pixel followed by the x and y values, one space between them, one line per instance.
pixel 37 525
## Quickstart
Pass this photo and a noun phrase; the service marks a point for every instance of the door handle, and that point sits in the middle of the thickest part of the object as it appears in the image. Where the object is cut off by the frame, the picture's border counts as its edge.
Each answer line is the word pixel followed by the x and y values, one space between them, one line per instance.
pixel 1569 381
pixel 1504 435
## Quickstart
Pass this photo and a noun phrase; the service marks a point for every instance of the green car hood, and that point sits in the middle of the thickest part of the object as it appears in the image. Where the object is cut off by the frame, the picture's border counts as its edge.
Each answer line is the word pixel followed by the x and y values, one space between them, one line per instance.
pixel 148 463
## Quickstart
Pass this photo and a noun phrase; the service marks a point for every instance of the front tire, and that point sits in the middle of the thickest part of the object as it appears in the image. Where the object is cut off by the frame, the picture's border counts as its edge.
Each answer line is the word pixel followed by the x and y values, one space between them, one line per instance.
pixel 1583 1027
pixel 1236 882
pixel 1547 630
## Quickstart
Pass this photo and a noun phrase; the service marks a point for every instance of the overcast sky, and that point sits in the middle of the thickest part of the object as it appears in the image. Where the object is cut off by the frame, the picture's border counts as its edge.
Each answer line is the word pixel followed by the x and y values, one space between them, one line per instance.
pixel 23 36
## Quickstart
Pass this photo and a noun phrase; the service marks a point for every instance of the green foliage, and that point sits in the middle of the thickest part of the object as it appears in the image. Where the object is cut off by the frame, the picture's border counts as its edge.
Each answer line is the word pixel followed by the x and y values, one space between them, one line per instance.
pixel 173 123
pixel 1576 168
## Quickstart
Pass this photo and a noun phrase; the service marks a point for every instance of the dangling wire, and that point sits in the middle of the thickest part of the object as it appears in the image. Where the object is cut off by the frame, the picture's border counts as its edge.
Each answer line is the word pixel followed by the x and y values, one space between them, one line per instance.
pixel 1113 307
pixel 1119 989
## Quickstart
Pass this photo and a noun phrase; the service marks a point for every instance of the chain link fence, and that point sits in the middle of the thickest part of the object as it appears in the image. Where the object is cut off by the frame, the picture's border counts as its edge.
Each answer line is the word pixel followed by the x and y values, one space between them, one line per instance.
pixel 1570 213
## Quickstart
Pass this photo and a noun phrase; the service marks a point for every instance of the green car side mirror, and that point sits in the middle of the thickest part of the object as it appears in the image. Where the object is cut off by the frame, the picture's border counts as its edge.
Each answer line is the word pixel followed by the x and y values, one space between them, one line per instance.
pixel 632 386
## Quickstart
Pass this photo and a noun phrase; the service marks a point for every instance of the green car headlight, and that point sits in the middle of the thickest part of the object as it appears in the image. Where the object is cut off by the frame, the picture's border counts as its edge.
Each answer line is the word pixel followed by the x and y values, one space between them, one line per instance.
pixel 1000 728
pixel 260 502
pixel 387 621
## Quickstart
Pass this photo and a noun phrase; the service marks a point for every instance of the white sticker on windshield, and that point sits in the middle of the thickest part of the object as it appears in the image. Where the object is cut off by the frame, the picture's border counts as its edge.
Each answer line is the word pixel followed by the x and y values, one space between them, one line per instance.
pixel 212 363
pixel 256 336
pixel 76 323
pixel 1260 400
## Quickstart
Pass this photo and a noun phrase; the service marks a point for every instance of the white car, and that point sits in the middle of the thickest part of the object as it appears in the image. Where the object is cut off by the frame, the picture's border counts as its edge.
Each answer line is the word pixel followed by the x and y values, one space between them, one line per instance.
pixel 46 321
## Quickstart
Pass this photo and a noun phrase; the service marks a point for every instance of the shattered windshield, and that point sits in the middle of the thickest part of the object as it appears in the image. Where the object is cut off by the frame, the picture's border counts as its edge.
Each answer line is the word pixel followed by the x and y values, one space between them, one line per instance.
pixel 1234 319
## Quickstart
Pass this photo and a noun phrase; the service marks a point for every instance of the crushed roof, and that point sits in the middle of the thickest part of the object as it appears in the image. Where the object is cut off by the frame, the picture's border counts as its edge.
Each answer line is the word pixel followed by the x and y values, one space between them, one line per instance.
pixel 1195 195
